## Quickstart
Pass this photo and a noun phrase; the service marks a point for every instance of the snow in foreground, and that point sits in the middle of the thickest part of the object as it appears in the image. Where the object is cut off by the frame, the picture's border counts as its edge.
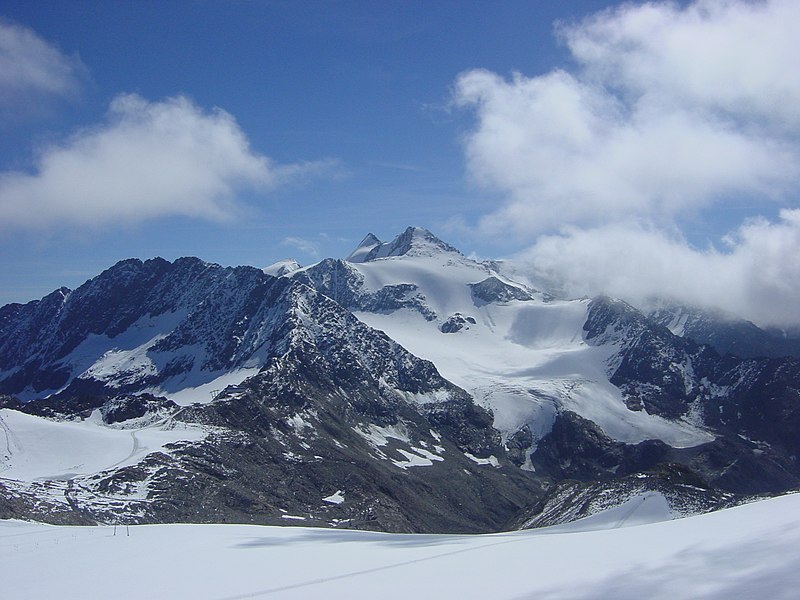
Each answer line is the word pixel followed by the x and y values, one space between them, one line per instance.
pixel 751 551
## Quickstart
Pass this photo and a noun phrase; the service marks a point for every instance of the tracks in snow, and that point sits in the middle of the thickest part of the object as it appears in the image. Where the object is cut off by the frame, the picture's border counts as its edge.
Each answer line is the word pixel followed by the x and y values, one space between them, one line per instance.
pixel 12 442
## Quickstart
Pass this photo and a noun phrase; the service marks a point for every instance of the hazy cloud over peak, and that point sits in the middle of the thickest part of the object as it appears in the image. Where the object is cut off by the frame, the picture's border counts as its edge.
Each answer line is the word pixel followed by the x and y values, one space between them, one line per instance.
pixel 147 160
pixel 757 276
pixel 304 245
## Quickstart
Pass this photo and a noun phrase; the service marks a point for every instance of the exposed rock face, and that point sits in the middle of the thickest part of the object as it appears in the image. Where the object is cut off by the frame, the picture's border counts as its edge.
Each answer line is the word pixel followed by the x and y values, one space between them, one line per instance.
pixel 684 492
pixel 363 249
pixel 726 333
pixel 492 289
pixel 455 323
pixel 193 314
pixel 576 448
pixel 762 402
pixel 655 370
pixel 752 405
pixel 344 284
pixel 116 409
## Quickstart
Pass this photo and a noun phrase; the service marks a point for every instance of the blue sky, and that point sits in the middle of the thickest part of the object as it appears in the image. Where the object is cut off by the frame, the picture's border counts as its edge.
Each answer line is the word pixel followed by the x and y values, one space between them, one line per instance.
pixel 246 132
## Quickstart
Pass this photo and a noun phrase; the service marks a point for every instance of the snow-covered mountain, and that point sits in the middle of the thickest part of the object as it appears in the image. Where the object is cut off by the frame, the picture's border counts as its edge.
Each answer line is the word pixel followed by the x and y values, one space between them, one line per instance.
pixel 291 403
pixel 525 357
pixel 406 388
pixel 563 375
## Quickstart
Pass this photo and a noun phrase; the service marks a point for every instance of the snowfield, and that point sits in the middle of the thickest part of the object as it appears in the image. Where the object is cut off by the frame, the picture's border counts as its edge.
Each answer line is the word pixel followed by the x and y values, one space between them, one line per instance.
pixel 629 552
pixel 34 448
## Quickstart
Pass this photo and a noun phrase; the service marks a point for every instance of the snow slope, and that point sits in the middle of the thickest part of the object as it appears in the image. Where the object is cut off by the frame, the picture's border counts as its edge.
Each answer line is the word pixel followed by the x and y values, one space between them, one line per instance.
pixel 524 359
pixel 34 448
pixel 751 551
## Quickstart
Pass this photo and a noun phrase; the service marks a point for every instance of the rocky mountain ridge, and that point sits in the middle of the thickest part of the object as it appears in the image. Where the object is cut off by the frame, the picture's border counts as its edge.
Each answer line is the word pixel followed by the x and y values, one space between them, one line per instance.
pixel 407 388
pixel 726 333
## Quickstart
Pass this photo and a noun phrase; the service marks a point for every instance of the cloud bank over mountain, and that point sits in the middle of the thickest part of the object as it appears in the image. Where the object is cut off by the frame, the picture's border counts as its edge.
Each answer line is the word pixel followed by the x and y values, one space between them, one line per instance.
pixel 668 113
pixel 756 275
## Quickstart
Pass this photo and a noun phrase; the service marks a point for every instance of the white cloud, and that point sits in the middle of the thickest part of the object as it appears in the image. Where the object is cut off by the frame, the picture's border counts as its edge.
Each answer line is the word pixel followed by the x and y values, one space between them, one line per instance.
pixel 31 69
pixel 734 56
pixel 148 160
pixel 757 276
pixel 671 110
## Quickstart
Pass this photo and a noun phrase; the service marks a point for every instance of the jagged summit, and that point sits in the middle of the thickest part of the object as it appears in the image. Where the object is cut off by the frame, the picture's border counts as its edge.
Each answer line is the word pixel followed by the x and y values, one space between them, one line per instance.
pixel 366 245
pixel 414 241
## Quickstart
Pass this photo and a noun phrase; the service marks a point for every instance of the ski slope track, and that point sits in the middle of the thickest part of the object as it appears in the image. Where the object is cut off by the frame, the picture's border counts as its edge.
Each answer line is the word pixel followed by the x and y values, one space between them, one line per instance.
pixel 41 449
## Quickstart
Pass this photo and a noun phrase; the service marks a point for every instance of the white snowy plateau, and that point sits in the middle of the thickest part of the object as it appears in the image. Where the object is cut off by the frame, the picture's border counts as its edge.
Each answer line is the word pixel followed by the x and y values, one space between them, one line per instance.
pixel 626 553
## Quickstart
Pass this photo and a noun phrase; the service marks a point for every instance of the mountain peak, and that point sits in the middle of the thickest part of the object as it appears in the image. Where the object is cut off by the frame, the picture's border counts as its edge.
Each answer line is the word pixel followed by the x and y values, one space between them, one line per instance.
pixel 282 267
pixel 364 247
pixel 414 241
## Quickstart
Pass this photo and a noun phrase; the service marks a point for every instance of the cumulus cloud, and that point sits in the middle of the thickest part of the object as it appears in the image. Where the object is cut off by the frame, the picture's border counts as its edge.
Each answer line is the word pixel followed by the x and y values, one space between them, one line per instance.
pixel 715 55
pixel 147 160
pixel 670 110
pixel 568 151
pixel 31 69
pixel 756 275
